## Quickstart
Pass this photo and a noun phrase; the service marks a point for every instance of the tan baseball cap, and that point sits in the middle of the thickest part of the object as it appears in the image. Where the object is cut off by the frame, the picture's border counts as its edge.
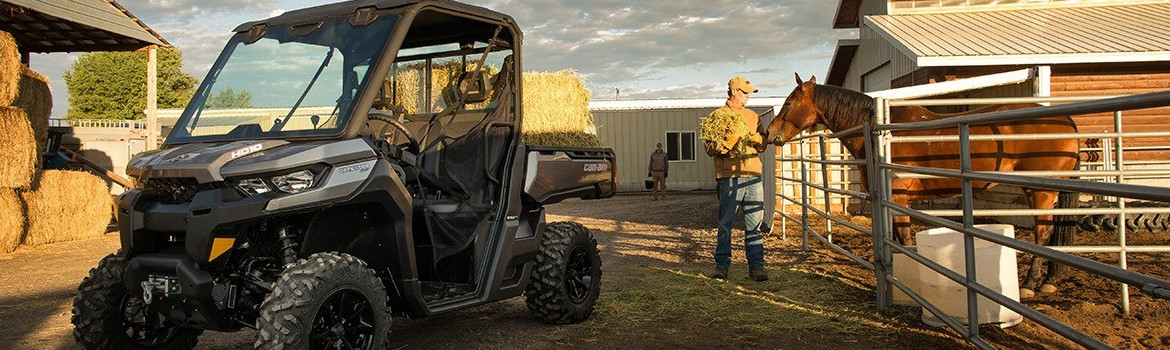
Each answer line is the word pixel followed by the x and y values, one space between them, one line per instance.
pixel 742 84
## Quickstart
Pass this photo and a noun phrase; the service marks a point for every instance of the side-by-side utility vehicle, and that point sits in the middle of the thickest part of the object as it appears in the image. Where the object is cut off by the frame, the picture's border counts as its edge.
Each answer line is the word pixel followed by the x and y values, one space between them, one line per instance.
pixel 338 165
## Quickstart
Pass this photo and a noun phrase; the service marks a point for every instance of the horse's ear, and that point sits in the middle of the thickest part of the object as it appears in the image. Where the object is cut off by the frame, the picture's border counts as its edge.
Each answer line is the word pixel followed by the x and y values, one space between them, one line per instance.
pixel 798 81
pixel 813 79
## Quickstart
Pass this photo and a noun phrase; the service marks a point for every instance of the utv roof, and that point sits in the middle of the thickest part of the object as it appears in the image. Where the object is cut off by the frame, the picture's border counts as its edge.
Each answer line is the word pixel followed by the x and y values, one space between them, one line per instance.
pixel 348 7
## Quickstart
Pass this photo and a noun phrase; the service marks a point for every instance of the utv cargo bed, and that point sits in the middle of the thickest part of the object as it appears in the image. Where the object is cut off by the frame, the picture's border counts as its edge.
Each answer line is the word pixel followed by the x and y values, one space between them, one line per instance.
pixel 557 173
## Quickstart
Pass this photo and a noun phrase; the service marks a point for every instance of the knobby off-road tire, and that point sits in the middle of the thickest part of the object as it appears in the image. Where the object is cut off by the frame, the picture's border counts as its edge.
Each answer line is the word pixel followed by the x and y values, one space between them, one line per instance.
pixel 328 301
pixel 106 316
pixel 567 278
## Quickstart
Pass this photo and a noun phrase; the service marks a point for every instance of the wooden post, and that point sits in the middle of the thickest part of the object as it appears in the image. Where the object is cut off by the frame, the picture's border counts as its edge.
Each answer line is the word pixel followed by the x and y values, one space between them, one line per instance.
pixel 152 97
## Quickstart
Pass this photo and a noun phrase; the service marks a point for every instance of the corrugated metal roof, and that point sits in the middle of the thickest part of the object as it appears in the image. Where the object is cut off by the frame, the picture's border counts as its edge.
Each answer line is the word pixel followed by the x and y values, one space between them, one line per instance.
pixel 74 25
pixel 1121 33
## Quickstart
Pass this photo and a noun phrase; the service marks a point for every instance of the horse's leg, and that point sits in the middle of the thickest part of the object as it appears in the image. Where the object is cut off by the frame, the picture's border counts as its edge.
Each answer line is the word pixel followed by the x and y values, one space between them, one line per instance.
pixel 1038 199
pixel 1063 230
pixel 902 222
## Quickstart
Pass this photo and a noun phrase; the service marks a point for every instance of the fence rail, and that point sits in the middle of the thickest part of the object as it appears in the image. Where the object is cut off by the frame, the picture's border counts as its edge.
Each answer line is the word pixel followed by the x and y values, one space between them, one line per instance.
pixel 880 170
pixel 99 123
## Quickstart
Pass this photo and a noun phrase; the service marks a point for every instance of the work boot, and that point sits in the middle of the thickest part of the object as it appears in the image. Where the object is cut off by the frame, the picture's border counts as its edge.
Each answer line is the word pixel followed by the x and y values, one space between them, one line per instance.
pixel 758 274
pixel 720 273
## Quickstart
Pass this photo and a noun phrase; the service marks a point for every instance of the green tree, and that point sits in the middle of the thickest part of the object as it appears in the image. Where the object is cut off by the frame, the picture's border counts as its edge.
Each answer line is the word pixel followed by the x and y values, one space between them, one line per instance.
pixel 112 85
pixel 228 98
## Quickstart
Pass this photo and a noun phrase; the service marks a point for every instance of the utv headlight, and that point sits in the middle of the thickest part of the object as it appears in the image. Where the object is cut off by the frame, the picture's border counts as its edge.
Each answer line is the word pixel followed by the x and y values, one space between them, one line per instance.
pixel 294 182
pixel 253 186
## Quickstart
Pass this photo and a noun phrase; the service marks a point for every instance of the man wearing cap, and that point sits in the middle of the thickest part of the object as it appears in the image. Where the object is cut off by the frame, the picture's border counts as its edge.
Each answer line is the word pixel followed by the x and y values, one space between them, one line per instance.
pixel 739 185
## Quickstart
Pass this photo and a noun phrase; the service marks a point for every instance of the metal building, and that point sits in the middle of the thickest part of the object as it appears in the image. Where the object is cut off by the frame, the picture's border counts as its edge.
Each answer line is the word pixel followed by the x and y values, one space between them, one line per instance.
pixel 633 127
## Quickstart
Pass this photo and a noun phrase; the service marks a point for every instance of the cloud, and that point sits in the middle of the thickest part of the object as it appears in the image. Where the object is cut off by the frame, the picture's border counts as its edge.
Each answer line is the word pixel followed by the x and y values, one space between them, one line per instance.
pixel 648 49
pixel 619 43
pixel 189 11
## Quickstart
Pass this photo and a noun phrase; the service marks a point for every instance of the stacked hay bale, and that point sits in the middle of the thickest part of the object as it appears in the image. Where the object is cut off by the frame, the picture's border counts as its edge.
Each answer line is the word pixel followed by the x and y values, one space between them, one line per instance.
pixel 12 221
pixel 34 98
pixel 556 110
pixel 67 206
pixel 38 207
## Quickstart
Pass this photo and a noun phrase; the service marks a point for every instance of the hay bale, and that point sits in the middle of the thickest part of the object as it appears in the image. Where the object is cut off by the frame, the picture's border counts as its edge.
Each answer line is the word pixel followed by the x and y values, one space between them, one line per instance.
pixel 556 110
pixel 9 68
pixel 67 206
pixel 34 98
pixel 18 149
pixel 12 222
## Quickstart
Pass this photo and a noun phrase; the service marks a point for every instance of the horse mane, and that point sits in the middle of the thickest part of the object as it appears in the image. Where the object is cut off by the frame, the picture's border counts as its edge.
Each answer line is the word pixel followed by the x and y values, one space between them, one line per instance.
pixel 843 108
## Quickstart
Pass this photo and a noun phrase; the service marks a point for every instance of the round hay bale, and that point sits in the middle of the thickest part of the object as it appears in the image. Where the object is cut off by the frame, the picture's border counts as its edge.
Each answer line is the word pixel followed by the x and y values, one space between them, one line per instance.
pixel 67 206
pixel 12 222
pixel 34 98
pixel 9 68
pixel 18 149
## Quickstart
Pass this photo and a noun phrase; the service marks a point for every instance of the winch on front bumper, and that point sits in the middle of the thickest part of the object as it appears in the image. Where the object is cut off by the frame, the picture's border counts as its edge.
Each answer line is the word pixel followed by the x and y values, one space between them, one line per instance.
pixel 174 240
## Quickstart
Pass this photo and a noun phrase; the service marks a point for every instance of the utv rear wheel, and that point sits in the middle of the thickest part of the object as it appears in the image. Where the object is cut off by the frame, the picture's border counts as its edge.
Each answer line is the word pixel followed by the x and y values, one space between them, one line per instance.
pixel 107 316
pixel 328 301
pixel 567 278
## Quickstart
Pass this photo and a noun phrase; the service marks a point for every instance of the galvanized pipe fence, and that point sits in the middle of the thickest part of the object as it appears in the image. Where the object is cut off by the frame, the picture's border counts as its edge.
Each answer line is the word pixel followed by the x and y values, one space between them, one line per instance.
pixel 1111 172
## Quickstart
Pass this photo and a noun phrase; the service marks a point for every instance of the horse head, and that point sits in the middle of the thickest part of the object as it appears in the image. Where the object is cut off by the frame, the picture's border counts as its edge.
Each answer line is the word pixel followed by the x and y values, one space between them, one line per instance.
pixel 798 114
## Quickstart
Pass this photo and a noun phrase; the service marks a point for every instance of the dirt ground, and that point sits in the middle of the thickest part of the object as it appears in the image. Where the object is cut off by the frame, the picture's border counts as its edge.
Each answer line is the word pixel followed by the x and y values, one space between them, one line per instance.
pixel 655 254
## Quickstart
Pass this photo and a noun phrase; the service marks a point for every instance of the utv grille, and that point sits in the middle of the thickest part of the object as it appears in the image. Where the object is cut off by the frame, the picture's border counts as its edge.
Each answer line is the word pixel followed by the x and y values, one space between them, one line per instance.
pixel 173 190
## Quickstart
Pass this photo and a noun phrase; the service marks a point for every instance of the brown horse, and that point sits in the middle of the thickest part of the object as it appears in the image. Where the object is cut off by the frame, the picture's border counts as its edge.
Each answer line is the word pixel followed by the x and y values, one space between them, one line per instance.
pixel 841 109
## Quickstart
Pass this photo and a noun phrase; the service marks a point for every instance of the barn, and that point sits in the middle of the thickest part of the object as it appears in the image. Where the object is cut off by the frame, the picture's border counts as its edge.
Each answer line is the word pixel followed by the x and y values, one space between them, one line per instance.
pixel 1079 48
pixel 1075 48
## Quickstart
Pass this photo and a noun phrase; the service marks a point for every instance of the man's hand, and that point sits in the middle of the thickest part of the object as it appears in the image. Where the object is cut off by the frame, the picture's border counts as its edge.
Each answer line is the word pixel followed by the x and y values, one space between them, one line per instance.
pixel 755 139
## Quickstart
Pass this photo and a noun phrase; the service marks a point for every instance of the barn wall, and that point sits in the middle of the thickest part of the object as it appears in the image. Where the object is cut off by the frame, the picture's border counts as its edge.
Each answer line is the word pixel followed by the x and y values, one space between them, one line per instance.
pixel 1079 81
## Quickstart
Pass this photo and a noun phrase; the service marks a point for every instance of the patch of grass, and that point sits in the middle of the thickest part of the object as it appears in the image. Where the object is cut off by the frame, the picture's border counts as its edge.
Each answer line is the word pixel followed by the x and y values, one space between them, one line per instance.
pixel 791 300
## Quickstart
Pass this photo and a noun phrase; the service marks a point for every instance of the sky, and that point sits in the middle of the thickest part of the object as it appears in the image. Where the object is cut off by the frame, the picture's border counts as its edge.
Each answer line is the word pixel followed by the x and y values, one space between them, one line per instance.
pixel 622 49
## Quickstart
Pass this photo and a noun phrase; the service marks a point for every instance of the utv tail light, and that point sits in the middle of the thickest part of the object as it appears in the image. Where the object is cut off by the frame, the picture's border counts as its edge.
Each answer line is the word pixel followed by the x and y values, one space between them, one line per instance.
pixel 294 182
pixel 253 186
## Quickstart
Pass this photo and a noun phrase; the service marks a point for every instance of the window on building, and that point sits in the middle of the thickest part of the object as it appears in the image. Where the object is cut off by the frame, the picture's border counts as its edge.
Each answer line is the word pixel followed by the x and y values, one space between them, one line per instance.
pixel 680 145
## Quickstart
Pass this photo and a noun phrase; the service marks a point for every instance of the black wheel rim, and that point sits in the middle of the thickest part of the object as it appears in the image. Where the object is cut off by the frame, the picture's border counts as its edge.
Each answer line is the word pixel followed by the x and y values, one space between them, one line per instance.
pixel 143 327
pixel 579 275
pixel 344 321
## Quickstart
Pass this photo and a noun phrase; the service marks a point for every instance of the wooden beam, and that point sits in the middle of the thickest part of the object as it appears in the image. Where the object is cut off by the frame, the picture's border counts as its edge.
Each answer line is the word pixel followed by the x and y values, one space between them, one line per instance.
pixel 152 97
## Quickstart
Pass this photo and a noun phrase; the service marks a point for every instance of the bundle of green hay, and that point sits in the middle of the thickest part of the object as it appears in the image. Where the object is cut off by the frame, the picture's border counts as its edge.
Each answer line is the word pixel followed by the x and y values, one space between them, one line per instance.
pixel 723 125
pixel 556 110
pixel 67 206
pixel 9 68
pixel 34 98
pixel 12 221
pixel 18 149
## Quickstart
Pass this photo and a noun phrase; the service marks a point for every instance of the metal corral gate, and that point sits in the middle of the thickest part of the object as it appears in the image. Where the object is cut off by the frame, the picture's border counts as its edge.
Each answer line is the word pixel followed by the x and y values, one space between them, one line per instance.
pixel 881 170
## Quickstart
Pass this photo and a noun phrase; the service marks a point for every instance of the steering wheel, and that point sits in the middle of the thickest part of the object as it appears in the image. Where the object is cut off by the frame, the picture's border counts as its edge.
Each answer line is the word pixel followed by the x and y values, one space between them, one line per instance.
pixel 393 119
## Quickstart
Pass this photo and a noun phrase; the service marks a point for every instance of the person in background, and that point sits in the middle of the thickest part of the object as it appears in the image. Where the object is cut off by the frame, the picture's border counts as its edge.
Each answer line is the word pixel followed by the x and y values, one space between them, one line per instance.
pixel 658 169
pixel 738 183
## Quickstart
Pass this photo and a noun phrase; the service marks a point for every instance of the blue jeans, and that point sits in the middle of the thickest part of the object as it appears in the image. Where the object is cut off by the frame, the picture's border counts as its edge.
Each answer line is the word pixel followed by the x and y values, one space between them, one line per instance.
pixel 735 193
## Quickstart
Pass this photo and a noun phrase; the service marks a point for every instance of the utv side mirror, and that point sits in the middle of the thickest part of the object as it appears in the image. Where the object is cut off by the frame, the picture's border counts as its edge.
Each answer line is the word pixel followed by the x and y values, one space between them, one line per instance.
pixel 474 86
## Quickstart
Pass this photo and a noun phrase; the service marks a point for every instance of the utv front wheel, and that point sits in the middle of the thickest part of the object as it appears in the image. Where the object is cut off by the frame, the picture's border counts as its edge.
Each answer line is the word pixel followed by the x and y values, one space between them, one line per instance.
pixel 567 278
pixel 106 316
pixel 328 301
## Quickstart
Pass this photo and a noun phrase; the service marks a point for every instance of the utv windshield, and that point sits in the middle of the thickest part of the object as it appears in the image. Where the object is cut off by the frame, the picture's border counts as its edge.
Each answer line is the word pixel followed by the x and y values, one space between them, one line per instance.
pixel 285 82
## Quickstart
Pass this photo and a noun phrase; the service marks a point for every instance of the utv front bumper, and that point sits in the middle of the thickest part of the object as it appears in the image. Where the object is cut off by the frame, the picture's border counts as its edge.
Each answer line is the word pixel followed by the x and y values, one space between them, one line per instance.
pixel 187 228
